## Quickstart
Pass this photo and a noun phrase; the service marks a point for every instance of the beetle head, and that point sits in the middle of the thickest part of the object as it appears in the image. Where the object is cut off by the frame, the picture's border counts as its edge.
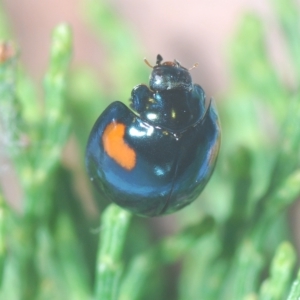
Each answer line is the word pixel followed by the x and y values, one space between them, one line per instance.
pixel 169 75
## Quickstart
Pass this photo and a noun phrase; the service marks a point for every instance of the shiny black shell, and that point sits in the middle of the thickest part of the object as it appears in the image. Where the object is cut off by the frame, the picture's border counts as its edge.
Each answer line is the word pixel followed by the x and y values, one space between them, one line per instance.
pixel 156 158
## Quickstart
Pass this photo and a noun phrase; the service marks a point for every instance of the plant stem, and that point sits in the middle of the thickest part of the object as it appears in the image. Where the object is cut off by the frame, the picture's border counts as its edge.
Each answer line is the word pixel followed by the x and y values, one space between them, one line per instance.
pixel 109 265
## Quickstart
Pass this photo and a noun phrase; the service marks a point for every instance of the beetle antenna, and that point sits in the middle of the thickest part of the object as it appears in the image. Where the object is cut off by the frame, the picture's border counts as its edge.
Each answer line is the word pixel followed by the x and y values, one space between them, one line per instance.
pixel 194 66
pixel 147 63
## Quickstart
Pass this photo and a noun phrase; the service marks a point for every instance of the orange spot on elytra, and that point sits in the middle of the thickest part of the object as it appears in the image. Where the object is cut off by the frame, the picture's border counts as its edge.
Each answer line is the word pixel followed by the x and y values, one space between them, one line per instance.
pixel 115 146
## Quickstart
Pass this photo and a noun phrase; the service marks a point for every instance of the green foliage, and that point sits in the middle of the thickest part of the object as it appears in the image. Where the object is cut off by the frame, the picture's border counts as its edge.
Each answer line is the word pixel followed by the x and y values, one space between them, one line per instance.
pixel 234 243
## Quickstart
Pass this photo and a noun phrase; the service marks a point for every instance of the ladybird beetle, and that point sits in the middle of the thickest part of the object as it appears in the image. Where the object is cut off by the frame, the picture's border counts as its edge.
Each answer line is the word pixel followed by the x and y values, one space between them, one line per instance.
pixel 156 157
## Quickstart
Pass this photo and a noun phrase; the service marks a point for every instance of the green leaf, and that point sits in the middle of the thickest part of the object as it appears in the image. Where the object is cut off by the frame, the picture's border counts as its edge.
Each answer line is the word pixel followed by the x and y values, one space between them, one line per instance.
pixel 109 264
pixel 295 289
pixel 275 287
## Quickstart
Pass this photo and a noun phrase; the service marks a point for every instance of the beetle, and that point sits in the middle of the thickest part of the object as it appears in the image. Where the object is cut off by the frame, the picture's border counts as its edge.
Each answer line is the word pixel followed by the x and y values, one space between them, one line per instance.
pixel 156 157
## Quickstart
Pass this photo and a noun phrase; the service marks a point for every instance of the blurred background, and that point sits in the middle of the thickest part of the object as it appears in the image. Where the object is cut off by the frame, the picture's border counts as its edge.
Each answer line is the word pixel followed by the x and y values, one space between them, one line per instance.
pixel 248 61
pixel 193 31
pixel 190 31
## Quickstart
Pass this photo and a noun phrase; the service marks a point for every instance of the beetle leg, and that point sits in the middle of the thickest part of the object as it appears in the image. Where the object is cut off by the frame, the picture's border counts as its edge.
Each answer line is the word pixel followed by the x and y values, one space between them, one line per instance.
pixel 140 97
